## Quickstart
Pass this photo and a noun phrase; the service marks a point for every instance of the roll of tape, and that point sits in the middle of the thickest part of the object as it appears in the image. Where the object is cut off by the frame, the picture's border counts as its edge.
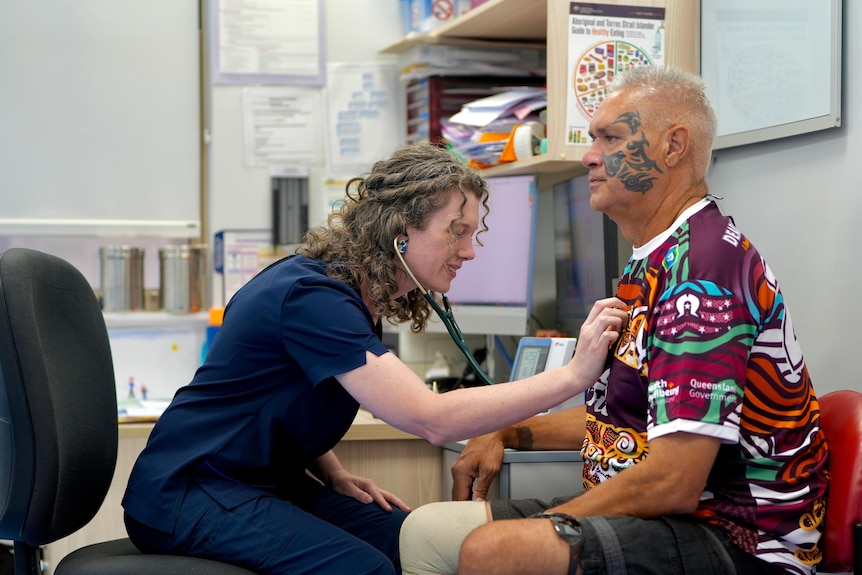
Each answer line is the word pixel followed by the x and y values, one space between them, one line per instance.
pixel 527 139
pixel 523 142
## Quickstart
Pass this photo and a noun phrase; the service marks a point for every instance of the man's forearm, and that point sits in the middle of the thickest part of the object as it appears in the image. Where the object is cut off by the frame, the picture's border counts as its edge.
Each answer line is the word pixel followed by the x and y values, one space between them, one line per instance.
pixel 560 430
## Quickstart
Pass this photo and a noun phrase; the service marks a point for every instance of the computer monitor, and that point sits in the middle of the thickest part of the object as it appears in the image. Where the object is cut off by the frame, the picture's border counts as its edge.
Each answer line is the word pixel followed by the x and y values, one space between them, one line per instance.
pixel 492 294
pixel 585 248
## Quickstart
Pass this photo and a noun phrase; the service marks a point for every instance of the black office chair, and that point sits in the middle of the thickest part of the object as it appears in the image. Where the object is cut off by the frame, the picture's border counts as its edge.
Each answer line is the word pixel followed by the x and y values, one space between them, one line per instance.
pixel 58 422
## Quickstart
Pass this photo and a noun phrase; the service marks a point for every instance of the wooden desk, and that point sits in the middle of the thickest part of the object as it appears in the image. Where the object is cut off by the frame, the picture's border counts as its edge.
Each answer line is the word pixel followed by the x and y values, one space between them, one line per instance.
pixel 400 462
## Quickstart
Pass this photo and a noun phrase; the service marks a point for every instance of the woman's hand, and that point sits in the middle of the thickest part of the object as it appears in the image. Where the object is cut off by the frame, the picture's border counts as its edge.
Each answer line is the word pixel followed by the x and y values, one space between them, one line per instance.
pixel 606 321
pixel 364 490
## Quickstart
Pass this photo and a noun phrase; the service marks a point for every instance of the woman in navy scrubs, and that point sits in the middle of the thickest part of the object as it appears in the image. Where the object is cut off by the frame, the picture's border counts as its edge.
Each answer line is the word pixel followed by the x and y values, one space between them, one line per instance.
pixel 240 467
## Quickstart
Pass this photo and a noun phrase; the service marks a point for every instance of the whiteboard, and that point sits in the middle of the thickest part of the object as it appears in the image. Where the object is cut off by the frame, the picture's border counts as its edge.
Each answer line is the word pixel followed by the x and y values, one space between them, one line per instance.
pixel 772 67
pixel 100 117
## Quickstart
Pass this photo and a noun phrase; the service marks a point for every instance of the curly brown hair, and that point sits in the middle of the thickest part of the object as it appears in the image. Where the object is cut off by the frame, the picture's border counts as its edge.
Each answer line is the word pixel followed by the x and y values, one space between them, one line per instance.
pixel 403 190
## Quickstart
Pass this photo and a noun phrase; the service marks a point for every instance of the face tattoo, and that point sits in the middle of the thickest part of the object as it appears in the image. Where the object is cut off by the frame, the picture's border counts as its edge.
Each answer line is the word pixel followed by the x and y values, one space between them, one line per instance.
pixel 633 167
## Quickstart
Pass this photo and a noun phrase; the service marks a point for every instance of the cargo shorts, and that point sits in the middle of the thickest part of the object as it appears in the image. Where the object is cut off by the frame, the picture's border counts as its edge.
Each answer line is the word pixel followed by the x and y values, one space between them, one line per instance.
pixel 624 545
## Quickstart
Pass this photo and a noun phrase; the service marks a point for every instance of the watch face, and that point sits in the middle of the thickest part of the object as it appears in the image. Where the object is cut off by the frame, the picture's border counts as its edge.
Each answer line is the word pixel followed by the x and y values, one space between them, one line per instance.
pixel 568 532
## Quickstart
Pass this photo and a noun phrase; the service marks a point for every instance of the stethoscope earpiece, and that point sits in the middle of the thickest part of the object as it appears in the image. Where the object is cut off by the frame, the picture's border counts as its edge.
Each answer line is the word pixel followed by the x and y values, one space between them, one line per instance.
pixel 402 246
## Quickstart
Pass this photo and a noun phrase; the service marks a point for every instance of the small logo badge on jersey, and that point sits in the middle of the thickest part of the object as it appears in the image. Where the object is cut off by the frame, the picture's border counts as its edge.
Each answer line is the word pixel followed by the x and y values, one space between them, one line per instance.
pixel 670 257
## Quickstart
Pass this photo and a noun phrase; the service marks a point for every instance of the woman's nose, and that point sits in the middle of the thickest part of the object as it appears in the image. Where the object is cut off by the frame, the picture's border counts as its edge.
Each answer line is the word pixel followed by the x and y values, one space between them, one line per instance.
pixel 467 251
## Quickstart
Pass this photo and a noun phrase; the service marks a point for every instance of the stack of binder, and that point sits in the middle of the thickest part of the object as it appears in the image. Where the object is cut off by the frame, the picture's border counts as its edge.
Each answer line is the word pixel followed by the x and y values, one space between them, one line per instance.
pixel 432 101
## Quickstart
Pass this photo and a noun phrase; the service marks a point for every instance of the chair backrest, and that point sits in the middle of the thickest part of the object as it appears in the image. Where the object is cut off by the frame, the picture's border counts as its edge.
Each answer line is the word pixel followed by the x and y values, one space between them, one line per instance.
pixel 841 421
pixel 58 399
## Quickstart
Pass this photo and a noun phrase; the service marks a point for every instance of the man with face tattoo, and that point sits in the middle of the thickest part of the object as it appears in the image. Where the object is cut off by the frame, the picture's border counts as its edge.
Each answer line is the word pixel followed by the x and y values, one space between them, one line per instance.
pixel 701 440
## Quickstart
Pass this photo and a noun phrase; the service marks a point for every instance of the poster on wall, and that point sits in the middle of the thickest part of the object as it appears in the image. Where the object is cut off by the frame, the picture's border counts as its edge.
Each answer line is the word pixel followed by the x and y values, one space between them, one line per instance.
pixel 365 111
pixel 605 40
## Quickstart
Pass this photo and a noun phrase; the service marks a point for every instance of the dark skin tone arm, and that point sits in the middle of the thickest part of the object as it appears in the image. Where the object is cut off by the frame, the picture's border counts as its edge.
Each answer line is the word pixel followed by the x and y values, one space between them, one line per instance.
pixel 479 462
pixel 668 467
pixel 669 481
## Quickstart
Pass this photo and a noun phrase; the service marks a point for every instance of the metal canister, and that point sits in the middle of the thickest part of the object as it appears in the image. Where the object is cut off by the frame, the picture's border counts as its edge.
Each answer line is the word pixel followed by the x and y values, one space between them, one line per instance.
pixel 184 279
pixel 122 278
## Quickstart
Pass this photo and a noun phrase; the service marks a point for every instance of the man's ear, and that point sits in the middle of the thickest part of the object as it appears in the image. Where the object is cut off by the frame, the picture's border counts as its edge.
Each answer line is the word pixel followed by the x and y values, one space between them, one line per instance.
pixel 678 144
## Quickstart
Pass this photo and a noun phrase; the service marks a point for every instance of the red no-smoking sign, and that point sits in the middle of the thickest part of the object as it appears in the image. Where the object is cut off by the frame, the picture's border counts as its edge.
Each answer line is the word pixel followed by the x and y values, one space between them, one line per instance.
pixel 443 9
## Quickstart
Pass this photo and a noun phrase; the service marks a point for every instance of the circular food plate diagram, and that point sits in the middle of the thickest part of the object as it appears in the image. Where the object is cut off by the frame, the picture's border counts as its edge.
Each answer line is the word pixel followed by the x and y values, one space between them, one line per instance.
pixel 596 67
pixel 765 99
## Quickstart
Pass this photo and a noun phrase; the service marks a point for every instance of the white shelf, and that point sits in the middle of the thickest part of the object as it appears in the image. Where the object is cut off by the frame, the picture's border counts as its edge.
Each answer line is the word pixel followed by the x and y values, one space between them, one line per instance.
pixel 100 228
pixel 154 319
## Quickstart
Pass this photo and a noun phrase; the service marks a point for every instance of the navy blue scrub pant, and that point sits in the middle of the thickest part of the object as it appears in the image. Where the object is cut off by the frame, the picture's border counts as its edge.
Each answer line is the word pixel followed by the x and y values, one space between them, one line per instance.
pixel 322 534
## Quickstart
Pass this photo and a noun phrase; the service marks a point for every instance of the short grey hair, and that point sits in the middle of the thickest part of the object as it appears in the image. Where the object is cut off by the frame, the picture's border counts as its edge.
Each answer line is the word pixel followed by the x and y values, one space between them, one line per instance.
pixel 679 97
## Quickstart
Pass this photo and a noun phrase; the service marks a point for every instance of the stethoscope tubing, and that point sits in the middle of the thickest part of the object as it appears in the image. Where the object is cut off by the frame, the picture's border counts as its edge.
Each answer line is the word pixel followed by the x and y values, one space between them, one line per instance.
pixel 448 319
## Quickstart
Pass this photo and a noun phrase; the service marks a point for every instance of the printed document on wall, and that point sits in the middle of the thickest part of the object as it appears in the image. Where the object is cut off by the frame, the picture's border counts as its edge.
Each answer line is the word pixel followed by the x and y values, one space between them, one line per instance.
pixel 366 116
pixel 281 125
pixel 267 42
pixel 605 40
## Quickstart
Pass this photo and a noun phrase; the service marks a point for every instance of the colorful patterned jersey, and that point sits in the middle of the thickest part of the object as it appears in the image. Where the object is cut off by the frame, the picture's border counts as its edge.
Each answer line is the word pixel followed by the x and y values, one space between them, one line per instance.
pixel 710 349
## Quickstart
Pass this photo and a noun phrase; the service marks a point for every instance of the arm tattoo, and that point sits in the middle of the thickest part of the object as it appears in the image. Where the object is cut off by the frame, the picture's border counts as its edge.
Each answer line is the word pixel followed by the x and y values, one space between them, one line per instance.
pixel 525 437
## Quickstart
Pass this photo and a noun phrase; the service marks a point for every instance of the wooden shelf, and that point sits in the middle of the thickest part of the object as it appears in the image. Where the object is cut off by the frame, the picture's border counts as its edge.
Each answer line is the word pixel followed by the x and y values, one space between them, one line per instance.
pixel 496 23
pixel 502 20
pixel 541 164
pixel 543 24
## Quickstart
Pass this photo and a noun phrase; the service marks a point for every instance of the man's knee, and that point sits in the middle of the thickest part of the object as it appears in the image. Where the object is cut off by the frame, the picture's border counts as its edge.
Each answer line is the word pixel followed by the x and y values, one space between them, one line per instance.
pixel 476 548
pixel 431 536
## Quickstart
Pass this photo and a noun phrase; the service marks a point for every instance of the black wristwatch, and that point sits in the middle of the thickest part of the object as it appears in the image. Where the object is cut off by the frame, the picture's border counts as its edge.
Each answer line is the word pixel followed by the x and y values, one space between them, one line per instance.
pixel 566 526
pixel 569 530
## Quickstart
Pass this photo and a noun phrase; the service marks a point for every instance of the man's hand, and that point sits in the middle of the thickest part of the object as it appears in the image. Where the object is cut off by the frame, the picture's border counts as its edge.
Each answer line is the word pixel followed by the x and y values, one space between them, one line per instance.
pixel 480 461
pixel 476 467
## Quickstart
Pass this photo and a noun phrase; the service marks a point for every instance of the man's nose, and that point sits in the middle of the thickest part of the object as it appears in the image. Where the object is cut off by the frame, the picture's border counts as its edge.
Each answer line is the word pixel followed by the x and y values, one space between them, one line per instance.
pixel 592 157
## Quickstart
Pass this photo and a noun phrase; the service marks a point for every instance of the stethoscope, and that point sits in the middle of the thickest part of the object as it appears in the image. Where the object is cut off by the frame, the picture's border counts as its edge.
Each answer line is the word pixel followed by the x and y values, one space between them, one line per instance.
pixel 445 315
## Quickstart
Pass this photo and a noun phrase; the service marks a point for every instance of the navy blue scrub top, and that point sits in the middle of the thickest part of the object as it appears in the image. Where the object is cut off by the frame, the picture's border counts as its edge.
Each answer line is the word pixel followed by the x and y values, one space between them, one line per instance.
pixel 265 403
